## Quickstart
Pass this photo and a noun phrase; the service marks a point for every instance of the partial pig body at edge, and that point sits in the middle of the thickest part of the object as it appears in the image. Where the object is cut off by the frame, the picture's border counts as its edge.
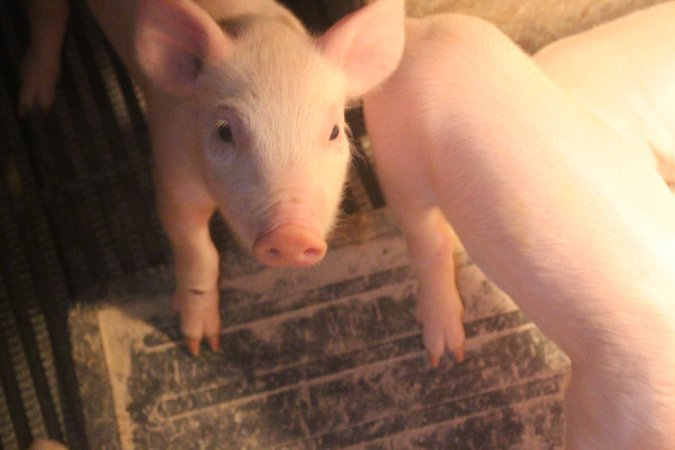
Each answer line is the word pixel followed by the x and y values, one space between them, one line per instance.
pixel 469 131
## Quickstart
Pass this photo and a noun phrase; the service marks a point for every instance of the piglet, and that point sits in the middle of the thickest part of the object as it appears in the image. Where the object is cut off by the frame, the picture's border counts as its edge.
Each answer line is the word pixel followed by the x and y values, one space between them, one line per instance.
pixel 635 96
pixel 623 72
pixel 470 130
pixel 246 114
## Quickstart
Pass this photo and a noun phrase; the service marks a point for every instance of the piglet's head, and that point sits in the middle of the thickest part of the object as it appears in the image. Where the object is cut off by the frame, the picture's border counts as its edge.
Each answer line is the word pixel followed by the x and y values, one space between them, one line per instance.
pixel 270 103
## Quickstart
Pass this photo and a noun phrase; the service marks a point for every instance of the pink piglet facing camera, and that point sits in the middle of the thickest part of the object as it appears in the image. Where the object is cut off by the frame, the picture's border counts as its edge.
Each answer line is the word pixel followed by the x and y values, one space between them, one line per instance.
pixel 246 115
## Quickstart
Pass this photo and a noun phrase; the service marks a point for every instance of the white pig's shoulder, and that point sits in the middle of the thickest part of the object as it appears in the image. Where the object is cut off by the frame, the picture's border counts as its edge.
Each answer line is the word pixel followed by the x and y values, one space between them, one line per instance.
pixel 450 28
pixel 451 39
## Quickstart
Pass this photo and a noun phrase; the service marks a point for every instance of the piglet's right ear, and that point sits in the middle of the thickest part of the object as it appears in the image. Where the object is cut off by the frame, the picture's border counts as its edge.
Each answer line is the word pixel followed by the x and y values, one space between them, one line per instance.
pixel 175 40
pixel 367 44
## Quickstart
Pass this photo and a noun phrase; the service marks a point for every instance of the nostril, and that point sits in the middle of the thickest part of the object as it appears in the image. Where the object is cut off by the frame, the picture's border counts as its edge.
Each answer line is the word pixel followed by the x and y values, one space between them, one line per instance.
pixel 312 254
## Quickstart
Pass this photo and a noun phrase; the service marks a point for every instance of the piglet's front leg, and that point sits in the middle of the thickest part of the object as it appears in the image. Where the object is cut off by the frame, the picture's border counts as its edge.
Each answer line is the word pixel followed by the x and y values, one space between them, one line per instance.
pixel 404 179
pixel 196 298
pixel 185 208
pixel 440 310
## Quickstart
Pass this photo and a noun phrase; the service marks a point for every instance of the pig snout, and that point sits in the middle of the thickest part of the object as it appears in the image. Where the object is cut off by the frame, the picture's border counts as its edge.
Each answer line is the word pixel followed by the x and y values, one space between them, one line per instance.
pixel 289 245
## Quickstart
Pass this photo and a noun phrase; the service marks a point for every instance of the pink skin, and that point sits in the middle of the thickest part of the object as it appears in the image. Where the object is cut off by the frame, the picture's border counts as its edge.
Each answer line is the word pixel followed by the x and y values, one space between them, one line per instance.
pixel 249 119
pixel 636 99
pixel 636 95
pixel 469 130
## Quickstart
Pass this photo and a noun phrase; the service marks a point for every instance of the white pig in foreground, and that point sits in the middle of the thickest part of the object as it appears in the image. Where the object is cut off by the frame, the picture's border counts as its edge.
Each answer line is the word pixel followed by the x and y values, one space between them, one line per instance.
pixel 246 114
pixel 553 205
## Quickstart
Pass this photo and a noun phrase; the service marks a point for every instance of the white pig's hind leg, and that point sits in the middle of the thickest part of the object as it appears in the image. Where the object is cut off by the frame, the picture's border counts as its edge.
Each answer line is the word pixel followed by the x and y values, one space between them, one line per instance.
pixel 41 64
pixel 196 298
pixel 440 309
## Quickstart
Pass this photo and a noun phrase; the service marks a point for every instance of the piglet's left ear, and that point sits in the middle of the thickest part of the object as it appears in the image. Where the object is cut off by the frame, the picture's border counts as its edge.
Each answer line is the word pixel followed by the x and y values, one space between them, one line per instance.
pixel 367 44
pixel 175 40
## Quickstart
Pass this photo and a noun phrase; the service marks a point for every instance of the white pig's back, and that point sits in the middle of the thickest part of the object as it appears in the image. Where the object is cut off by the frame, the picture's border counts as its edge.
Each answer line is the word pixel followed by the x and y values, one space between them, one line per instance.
pixel 623 72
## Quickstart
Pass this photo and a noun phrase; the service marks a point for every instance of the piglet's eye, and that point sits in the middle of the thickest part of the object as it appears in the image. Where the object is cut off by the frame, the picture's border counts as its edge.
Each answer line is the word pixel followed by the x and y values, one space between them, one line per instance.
pixel 335 133
pixel 225 132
